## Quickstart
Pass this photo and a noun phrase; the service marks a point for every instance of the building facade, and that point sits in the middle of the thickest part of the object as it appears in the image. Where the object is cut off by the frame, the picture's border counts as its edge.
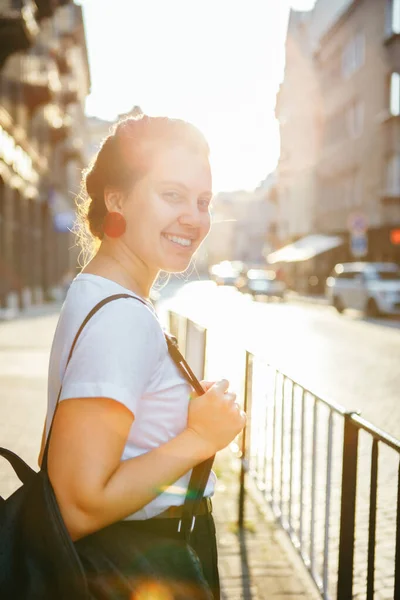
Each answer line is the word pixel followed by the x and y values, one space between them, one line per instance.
pixel 350 72
pixel 44 80
pixel 358 171
pixel 242 223
pixel 298 110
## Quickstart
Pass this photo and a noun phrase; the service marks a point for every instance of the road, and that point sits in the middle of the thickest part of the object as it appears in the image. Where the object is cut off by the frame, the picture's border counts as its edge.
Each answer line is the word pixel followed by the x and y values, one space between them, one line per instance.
pixel 344 358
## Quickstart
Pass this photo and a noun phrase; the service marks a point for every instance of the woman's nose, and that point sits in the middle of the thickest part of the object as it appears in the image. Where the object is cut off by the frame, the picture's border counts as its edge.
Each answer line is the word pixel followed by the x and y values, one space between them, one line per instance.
pixel 191 216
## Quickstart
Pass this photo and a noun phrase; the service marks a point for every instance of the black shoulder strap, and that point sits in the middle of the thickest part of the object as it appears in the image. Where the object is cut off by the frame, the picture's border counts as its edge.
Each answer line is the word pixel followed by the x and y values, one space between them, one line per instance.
pixel 201 472
pixel 94 310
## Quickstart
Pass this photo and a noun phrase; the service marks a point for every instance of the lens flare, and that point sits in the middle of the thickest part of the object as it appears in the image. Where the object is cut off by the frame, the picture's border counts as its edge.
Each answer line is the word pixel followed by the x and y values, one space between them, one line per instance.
pixel 152 591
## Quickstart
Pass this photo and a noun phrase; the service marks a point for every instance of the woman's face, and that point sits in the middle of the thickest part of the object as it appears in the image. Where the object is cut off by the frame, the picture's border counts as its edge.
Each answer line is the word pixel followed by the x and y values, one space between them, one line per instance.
pixel 168 212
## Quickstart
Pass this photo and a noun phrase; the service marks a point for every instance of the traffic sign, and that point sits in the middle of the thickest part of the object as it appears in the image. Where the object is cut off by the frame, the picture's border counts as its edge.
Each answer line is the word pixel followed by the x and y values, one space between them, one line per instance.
pixel 357 223
pixel 359 245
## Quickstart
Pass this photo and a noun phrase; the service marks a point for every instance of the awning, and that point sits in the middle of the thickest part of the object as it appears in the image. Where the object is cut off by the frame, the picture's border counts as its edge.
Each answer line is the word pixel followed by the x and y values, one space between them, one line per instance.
pixel 305 248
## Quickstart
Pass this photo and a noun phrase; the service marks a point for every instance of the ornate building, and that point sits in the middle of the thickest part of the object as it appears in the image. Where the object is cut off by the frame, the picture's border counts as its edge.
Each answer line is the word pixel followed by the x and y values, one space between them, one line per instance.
pixel 44 81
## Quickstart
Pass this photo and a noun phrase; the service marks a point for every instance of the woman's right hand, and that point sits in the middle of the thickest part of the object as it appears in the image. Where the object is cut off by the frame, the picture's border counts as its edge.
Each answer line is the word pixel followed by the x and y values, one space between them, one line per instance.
pixel 215 416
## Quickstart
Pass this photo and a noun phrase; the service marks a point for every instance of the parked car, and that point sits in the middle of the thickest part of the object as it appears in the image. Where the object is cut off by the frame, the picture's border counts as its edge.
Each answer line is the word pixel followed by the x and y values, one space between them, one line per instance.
pixel 226 273
pixel 373 287
pixel 264 283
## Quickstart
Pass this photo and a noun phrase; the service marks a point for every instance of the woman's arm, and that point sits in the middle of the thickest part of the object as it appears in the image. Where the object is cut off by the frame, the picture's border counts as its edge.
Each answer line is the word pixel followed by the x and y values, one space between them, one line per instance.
pixel 95 488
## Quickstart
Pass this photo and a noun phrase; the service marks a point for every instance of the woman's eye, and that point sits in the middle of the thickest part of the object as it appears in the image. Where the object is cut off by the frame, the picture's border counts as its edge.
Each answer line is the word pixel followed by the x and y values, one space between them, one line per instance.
pixel 205 202
pixel 174 196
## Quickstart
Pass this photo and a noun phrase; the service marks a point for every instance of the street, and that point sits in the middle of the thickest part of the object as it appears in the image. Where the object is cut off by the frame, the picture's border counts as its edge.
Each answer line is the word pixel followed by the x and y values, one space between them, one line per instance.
pixel 343 358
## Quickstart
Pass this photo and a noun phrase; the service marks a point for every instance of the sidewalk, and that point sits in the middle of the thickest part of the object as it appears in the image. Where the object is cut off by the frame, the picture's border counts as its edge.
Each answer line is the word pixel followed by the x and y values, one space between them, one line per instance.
pixel 255 564
pixel 258 563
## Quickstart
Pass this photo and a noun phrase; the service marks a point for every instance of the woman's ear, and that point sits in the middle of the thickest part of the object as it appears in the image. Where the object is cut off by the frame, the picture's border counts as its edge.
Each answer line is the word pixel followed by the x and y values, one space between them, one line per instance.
pixel 113 199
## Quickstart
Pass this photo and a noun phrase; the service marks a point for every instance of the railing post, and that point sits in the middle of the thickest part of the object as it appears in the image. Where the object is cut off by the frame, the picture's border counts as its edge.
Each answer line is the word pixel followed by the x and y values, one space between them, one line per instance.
pixel 348 510
pixel 245 437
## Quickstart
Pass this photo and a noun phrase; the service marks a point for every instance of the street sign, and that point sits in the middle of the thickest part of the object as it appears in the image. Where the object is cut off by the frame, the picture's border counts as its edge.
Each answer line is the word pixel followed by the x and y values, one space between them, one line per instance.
pixel 359 245
pixel 357 223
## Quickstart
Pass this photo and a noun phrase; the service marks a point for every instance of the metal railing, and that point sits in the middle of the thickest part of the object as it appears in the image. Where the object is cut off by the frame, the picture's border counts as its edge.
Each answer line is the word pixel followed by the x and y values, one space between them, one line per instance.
pixel 331 479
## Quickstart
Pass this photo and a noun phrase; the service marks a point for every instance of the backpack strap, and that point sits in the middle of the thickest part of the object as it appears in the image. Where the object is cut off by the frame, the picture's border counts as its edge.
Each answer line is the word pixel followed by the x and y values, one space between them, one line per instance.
pixel 91 314
pixel 201 472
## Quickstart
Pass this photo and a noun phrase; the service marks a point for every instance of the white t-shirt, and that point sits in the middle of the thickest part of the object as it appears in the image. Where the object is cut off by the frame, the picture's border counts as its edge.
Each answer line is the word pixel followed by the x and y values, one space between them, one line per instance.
pixel 122 354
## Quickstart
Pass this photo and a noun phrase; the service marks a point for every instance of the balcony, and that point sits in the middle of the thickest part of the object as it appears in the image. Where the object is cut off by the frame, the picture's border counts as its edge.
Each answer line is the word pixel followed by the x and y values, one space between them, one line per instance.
pixel 40 82
pixel 58 122
pixel 18 30
pixel 45 9
pixel 390 197
pixel 61 57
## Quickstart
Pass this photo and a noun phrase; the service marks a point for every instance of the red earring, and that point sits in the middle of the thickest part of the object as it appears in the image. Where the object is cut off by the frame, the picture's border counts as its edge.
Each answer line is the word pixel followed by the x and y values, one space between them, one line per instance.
pixel 114 224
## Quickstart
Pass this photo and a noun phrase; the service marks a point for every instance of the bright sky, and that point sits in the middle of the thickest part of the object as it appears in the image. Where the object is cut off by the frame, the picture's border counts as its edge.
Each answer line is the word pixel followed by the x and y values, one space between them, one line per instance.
pixel 216 63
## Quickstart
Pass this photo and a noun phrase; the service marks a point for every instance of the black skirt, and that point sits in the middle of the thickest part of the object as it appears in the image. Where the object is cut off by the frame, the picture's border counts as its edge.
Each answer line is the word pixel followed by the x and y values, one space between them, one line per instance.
pixel 137 560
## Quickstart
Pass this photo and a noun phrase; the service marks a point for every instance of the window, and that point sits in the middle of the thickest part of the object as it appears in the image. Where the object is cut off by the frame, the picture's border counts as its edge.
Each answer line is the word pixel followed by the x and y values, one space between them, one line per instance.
pixel 355 119
pixel 393 175
pixel 353 55
pixel 393 17
pixel 396 16
pixel 395 94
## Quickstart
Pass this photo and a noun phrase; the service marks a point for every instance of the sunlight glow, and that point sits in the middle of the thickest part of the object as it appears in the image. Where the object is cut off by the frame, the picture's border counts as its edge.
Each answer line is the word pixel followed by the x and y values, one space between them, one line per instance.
pixel 216 64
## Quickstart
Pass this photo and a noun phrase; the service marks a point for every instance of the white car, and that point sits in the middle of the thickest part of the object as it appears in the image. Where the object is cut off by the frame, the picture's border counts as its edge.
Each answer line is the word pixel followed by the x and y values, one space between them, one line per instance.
pixel 372 287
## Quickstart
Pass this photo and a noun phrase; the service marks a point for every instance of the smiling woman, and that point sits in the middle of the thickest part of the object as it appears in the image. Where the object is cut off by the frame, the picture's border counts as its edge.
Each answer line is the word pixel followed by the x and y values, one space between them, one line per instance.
pixel 151 164
pixel 125 437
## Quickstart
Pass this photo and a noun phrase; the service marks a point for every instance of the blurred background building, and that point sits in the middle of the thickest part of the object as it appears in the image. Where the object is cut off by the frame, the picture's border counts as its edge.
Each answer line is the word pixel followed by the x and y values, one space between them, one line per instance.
pixel 334 196
pixel 44 81
pixel 339 115
pixel 96 130
pixel 241 222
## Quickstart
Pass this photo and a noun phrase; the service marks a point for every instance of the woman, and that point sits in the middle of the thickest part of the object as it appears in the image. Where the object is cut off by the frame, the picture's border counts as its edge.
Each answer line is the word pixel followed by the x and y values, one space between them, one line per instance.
pixel 126 433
